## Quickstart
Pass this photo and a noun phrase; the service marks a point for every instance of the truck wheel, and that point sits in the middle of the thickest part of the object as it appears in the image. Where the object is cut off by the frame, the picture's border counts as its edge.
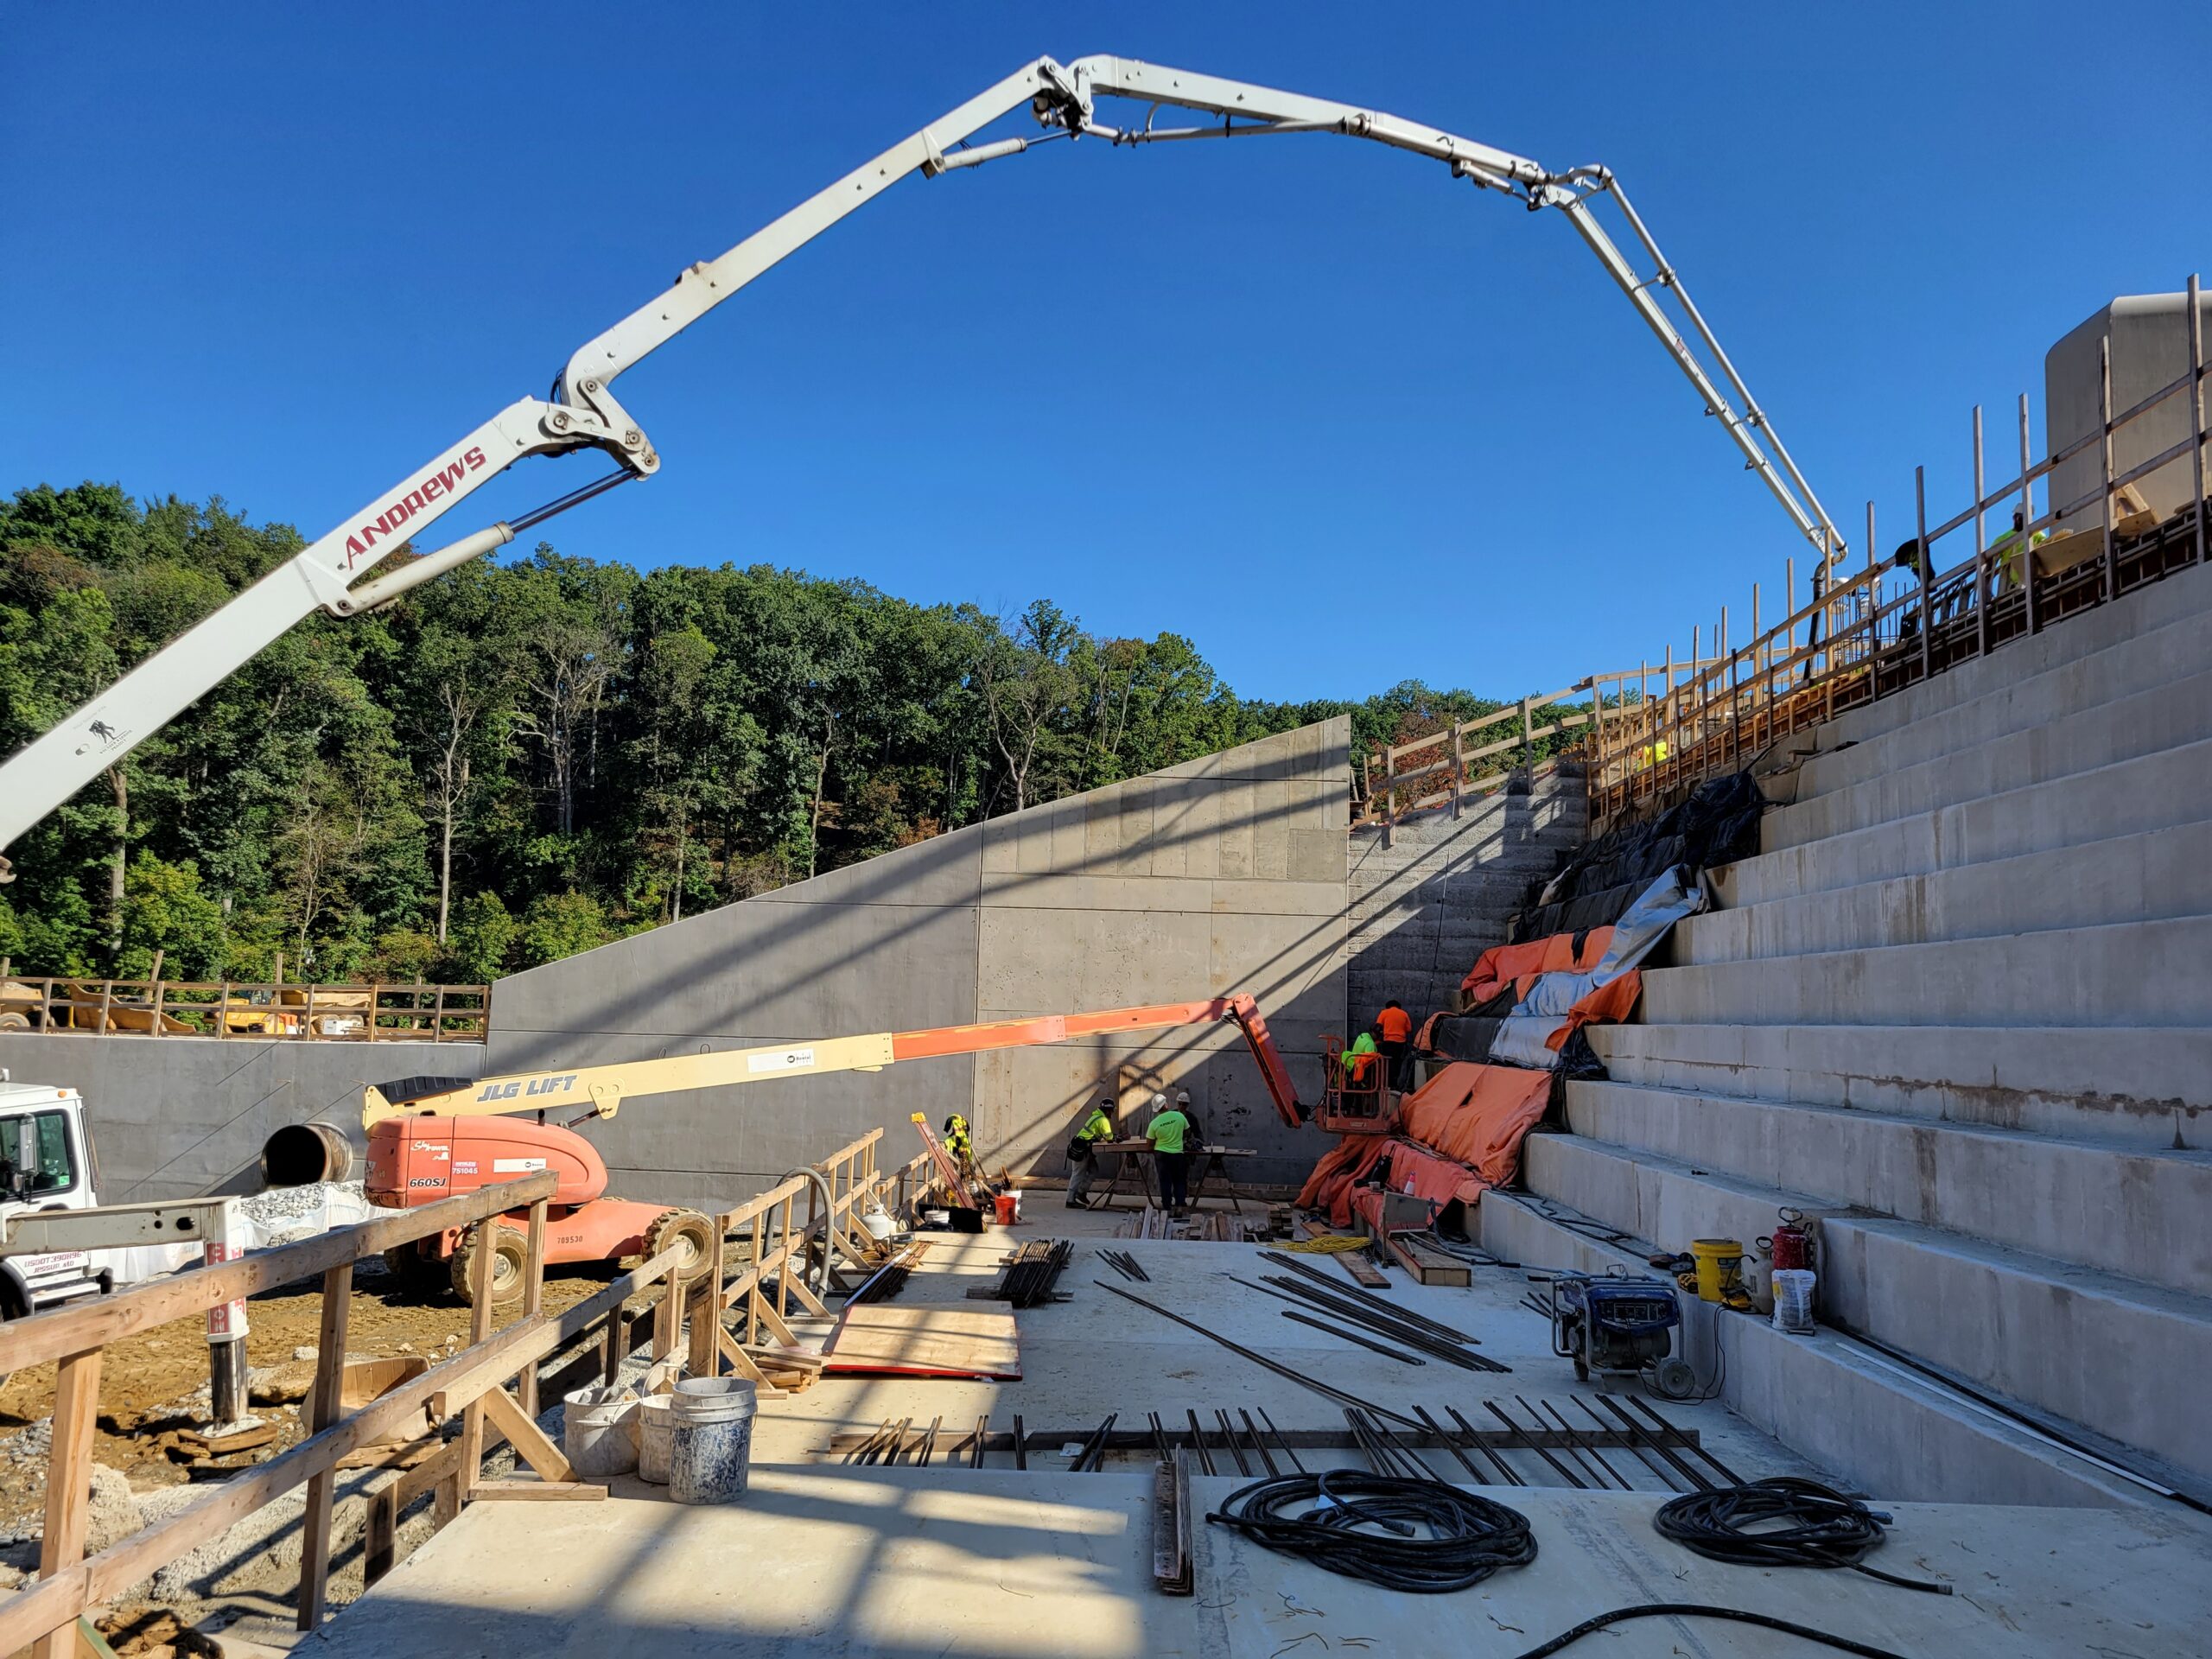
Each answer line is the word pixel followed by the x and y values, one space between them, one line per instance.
pixel 685 1230
pixel 510 1262
pixel 12 1020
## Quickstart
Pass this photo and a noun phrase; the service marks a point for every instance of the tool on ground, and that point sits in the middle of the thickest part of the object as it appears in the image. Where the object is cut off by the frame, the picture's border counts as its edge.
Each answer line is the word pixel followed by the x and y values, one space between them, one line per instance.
pixel 1619 1327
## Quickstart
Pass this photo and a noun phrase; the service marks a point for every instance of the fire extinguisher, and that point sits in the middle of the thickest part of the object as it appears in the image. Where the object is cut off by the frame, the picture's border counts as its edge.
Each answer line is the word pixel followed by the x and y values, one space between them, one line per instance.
pixel 1791 1244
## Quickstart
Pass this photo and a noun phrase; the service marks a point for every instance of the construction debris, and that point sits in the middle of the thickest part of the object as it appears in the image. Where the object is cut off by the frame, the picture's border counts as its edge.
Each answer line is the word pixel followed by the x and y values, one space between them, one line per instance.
pixel 1031 1273
pixel 1204 1226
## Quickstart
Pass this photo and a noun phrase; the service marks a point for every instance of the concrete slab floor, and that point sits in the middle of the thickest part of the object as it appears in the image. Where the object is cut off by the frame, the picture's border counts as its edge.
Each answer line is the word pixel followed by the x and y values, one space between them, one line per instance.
pixel 902 1562
pixel 1098 1354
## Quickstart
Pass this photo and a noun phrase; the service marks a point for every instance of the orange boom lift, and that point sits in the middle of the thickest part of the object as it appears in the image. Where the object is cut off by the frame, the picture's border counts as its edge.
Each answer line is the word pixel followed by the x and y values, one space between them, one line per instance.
pixel 430 1137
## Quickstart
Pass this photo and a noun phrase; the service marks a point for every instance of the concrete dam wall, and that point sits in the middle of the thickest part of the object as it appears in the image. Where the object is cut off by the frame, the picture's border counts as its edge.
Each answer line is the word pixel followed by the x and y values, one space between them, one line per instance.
pixel 1224 873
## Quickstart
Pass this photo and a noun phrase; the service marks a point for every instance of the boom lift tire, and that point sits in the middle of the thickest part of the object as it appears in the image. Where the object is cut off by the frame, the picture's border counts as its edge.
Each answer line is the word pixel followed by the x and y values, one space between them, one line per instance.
pixel 510 1263
pixel 413 1269
pixel 685 1229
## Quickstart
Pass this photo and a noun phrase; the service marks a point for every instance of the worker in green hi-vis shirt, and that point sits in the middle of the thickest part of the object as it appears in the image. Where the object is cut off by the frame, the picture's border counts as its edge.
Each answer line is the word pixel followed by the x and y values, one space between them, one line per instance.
pixel 1083 1157
pixel 1165 1132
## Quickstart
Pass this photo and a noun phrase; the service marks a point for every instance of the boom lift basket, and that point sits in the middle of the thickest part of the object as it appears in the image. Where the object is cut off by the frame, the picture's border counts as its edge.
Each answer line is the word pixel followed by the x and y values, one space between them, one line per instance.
pixel 1364 1104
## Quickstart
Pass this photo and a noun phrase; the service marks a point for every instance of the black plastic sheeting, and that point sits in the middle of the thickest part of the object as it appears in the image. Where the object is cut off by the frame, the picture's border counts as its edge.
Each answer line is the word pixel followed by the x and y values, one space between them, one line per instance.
pixel 1463 1036
pixel 1597 883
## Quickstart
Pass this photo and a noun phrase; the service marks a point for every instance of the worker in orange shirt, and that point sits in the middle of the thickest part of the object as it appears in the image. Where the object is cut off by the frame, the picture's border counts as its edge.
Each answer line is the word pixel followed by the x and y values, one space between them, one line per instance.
pixel 1395 1027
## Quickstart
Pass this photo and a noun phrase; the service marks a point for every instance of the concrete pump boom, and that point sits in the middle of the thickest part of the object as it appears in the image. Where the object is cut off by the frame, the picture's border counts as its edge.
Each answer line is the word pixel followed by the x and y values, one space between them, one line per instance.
pixel 600 1091
pixel 581 413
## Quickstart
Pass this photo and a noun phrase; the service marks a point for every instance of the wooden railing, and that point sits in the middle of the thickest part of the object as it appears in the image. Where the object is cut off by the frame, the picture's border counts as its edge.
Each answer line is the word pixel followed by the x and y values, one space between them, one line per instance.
pixel 491 1384
pixel 1897 623
pixel 1446 772
pixel 779 1233
pixel 374 1012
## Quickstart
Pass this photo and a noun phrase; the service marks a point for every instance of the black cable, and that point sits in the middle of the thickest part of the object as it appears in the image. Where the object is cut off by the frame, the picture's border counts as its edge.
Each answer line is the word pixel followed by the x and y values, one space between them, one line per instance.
pixel 1694 1610
pixel 1326 1519
pixel 1802 1523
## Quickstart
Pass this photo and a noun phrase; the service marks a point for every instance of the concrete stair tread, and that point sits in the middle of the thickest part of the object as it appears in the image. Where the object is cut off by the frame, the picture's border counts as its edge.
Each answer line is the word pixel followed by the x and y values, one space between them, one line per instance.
pixel 2178 644
pixel 2008 1319
pixel 2146 875
pixel 2129 1209
pixel 2138 1086
pixel 2127 796
pixel 2181 594
pixel 2163 717
pixel 2150 973
pixel 1988 1134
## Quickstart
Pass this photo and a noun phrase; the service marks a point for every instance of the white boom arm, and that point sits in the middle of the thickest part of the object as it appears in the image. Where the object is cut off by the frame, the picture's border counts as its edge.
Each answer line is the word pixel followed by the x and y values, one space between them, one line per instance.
pixel 583 414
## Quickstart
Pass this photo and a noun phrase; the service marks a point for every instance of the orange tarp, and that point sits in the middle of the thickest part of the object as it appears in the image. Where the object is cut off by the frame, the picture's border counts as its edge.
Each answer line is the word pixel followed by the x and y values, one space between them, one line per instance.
pixel 1463 1134
pixel 1476 1115
pixel 1522 962
pixel 1611 1004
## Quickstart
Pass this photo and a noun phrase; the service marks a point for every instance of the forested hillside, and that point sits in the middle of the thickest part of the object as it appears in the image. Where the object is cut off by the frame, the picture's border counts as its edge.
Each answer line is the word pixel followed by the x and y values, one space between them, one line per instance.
pixel 520 761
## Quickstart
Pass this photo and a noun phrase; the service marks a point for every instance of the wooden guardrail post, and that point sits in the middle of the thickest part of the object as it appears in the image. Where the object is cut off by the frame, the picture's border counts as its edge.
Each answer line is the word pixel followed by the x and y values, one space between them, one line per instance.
pixel 533 1302
pixel 68 1482
pixel 323 1411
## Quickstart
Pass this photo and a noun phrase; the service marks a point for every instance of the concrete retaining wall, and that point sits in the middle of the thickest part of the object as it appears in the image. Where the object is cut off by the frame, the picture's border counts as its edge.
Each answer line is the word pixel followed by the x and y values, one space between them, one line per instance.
pixel 176 1117
pixel 1226 873
pixel 1424 908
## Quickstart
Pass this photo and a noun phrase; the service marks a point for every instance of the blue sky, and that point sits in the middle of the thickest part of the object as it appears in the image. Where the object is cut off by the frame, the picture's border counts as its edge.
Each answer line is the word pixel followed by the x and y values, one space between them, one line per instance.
pixel 1306 400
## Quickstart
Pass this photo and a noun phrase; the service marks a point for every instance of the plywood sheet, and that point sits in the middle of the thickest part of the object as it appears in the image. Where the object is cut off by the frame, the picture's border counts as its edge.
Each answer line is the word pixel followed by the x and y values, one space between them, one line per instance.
pixel 926 1342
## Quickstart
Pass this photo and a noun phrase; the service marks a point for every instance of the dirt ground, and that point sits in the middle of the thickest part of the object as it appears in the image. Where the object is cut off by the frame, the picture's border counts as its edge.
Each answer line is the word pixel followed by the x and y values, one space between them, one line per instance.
pixel 148 1381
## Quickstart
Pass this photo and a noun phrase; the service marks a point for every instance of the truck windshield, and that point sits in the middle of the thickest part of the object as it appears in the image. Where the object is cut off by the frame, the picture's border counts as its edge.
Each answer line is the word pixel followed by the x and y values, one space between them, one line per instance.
pixel 57 1166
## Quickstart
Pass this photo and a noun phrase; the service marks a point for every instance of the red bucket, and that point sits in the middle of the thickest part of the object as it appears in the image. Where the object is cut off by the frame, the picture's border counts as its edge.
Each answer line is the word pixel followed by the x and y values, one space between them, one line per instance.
pixel 1009 1204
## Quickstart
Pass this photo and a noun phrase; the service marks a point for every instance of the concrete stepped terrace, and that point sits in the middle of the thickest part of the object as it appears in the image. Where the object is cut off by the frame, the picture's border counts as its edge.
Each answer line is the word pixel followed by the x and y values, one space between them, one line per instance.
pixel 1958 1009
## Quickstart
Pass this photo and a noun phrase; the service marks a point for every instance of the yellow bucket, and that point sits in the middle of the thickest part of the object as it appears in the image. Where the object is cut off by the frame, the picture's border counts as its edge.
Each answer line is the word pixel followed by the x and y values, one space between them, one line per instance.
pixel 1720 1260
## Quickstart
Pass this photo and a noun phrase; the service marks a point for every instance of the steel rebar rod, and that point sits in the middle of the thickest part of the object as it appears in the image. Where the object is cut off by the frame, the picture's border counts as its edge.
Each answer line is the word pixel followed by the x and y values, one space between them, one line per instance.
pixel 1698 1483
pixel 1363 1342
pixel 1453 1447
pixel 1475 1437
pixel 1634 1441
pixel 1229 1434
pixel 1198 1441
pixel 1285 1445
pixel 1337 1286
pixel 1380 1321
pixel 1726 1473
pixel 1527 1440
pixel 1020 1444
pixel 1582 1438
pixel 1276 1366
pixel 1259 1445
pixel 1407 1336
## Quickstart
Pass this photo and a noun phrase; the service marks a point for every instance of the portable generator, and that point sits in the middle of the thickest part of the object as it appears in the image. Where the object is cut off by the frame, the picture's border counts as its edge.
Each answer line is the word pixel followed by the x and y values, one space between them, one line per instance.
pixel 1619 1326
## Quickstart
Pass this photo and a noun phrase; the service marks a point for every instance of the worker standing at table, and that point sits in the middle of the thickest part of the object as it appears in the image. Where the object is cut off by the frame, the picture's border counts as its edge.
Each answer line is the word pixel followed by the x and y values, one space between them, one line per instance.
pixel 1083 1157
pixel 1165 1132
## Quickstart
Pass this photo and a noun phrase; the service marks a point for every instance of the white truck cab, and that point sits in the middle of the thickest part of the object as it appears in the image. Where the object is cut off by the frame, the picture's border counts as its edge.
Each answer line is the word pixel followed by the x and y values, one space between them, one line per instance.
pixel 46 1163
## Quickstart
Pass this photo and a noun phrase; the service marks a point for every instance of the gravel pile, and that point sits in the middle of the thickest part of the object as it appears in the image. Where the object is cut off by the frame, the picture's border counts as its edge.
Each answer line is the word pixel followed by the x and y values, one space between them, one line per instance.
pixel 284 1214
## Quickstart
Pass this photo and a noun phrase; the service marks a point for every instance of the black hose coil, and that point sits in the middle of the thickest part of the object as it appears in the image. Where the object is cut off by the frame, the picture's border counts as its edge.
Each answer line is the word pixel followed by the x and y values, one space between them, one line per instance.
pixel 1328 1518
pixel 1801 1524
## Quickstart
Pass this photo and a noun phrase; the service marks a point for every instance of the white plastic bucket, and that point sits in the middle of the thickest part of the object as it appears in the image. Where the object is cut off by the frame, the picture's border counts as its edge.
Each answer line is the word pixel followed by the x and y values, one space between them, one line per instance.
pixel 710 1445
pixel 655 1433
pixel 1793 1299
pixel 598 1431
